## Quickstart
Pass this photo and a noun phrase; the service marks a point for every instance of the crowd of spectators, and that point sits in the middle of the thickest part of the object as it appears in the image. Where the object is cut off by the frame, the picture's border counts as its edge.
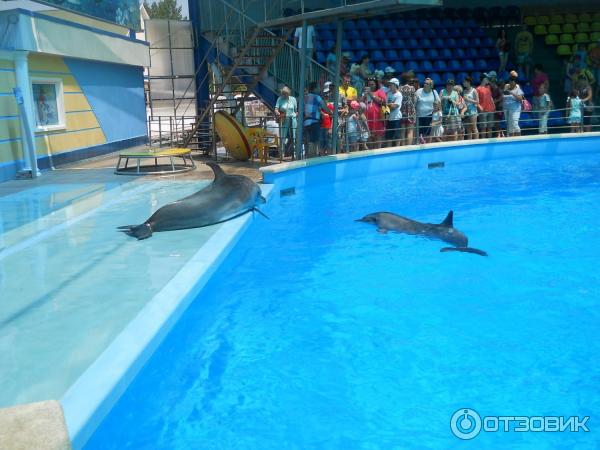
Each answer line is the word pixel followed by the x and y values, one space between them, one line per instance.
pixel 383 108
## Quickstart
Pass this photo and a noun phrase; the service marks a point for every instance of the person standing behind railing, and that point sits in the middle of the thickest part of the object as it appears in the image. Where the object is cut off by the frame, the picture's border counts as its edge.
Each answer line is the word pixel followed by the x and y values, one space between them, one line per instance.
pixel 374 97
pixel 314 108
pixel 426 97
pixel 586 93
pixel 394 102
pixel 486 108
pixel 408 109
pixel 513 97
pixel 545 104
pixel 471 97
pixel 450 110
pixel 574 107
pixel 286 111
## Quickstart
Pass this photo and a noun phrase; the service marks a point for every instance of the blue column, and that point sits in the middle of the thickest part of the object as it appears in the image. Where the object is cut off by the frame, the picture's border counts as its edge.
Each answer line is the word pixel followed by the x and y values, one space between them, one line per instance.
pixel 201 46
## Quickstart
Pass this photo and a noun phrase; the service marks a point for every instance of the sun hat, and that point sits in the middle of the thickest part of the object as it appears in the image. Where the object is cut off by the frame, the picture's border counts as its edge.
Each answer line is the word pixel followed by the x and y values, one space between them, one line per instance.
pixel 395 81
pixel 491 74
pixel 389 69
pixel 450 81
pixel 354 104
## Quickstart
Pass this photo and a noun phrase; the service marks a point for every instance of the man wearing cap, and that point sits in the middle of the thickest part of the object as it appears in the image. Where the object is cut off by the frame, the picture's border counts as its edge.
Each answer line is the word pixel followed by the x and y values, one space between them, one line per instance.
pixel 326 121
pixel 347 90
pixel 394 102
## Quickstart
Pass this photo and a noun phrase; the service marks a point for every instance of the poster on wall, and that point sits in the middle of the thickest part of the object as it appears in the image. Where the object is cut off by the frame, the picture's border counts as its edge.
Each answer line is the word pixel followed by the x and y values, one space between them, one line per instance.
pixel 46 105
pixel 121 12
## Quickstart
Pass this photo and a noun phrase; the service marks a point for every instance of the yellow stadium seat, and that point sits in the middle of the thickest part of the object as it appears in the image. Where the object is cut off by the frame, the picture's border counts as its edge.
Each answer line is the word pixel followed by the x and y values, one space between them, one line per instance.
pixel 571 18
pixel 567 39
pixel 591 46
pixel 554 29
pixel 563 50
pixel 530 21
pixel 596 17
pixel 552 39
pixel 540 30
pixel 585 17
pixel 595 37
pixel 543 20
pixel 569 28
pixel 582 38
pixel 557 19
pixel 596 26
pixel 583 27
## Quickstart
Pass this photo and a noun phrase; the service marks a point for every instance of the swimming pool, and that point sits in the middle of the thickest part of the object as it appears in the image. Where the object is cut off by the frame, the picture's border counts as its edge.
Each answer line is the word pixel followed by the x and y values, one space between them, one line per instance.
pixel 319 332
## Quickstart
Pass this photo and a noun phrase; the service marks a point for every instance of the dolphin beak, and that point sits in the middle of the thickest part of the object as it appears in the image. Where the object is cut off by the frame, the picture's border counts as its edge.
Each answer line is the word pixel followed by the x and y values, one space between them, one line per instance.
pixel 360 220
pixel 262 199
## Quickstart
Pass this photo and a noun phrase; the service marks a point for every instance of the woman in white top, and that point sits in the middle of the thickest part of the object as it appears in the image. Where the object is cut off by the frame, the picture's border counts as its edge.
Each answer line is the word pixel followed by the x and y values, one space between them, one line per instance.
pixel 426 97
pixel 511 102
pixel 472 102
pixel 394 102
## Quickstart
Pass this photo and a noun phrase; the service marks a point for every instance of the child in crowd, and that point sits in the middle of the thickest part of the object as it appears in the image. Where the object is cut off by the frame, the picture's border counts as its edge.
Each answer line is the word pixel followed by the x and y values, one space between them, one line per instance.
pixel 437 130
pixel 353 127
pixel 363 126
pixel 462 108
pixel 544 107
pixel 574 106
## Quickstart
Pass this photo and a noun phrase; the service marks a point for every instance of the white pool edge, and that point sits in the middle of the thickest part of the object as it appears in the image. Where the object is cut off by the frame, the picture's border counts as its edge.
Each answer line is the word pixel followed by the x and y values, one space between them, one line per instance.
pixel 95 392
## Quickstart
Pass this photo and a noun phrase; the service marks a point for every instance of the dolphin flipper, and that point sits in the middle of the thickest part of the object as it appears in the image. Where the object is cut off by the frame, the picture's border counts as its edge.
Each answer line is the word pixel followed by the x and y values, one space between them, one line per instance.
pixel 475 251
pixel 143 231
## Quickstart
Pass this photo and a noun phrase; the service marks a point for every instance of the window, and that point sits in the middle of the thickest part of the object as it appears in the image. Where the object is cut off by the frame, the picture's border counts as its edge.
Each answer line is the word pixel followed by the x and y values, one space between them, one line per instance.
pixel 48 104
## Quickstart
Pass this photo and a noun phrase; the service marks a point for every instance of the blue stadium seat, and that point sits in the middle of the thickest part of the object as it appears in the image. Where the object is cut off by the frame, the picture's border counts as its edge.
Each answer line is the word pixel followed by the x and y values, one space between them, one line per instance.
pixel 454 32
pixel 346 44
pixel 352 34
pixel 436 23
pixel 321 57
pixel 399 44
pixel 442 33
pixel 448 76
pixel 326 34
pixel 349 25
pixel 424 23
pixel 459 23
pixel 405 54
pixel 412 65
pixel 404 33
pixel 481 64
pixel 398 66
pixel 464 43
pixel 387 24
pixel 380 34
pixel 419 54
pixel 471 52
pixel 455 64
pixel 479 32
pixel 476 42
pixel 426 43
pixel 412 43
pixel 377 55
pixel 391 55
pixel 438 43
pixel 372 43
pixel 527 90
pixel 426 65
pixel 484 52
pixel 386 43
pixel 451 43
pixel 431 33
pixel 359 45
pixel 392 34
pixel 360 54
pixel 446 53
pixel 367 34
pixel 447 23
pixel 488 42
pixel 467 32
pixel 321 46
pixel 418 33
pixel 440 65
pixel 556 119
pixel 468 65
pixel 476 77
pixel 420 77
pixel 458 53
pixel 362 24
pixel 432 54
pixel 412 24
pixel 435 78
pixel 399 24
pixel 375 24
pixel 471 23
pixel 380 65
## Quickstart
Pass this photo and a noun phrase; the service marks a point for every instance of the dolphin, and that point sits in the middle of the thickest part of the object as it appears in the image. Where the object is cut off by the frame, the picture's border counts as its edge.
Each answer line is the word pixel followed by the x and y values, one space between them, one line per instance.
pixel 227 197
pixel 444 231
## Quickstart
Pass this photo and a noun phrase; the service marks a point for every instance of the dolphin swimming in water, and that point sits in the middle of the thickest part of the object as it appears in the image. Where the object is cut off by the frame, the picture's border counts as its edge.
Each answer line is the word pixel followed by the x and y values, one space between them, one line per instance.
pixel 228 196
pixel 443 231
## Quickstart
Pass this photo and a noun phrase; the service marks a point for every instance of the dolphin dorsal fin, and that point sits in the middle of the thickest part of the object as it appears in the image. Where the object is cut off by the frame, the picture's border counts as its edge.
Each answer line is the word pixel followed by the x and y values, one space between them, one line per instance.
pixel 447 222
pixel 216 170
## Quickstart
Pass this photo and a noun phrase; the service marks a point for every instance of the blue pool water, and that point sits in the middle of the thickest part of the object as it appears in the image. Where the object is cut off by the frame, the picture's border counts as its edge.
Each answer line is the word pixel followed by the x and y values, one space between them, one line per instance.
pixel 319 332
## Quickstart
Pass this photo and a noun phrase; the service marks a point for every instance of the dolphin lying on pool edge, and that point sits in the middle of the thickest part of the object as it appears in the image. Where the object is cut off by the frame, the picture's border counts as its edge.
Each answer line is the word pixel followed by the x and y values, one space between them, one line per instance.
pixel 227 197
pixel 443 231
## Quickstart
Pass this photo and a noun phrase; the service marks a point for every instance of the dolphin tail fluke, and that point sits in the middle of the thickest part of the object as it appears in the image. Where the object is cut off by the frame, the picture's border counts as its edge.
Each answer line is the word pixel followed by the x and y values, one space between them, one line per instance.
pixel 260 212
pixel 143 231
pixel 475 251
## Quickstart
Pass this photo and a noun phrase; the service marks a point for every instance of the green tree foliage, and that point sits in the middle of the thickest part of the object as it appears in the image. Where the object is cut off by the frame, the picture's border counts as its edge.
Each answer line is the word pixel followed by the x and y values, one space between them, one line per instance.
pixel 163 9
